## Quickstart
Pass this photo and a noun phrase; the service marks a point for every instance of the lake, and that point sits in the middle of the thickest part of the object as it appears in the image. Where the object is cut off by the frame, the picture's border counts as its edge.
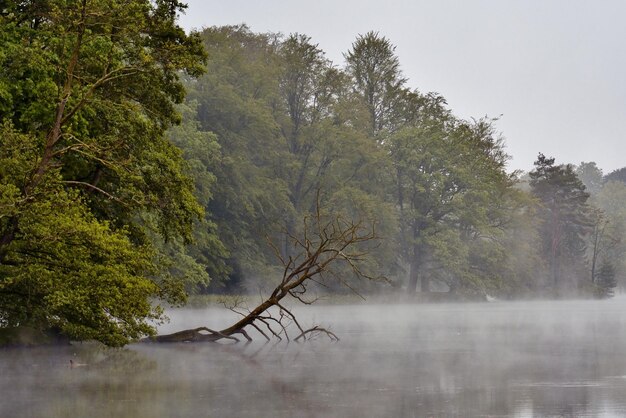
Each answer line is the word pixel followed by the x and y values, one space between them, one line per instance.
pixel 501 359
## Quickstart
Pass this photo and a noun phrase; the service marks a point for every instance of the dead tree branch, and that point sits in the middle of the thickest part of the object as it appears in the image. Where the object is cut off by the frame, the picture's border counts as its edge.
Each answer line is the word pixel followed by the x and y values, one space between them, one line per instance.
pixel 322 247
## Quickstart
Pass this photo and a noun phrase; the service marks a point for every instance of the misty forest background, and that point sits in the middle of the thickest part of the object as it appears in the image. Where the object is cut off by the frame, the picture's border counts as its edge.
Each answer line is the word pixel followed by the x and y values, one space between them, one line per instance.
pixel 138 163
pixel 285 123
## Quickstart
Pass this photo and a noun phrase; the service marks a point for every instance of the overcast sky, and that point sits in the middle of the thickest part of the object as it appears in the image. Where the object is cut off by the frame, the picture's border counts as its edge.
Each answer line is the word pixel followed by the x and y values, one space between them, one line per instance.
pixel 554 69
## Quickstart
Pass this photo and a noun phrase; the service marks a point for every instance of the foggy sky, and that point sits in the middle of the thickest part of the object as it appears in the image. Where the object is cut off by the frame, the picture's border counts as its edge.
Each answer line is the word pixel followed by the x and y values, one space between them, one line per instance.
pixel 554 69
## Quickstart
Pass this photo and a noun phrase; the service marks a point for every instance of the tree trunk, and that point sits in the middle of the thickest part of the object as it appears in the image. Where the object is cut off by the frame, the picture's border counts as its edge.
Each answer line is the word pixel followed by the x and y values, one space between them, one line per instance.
pixel 425 284
pixel 413 276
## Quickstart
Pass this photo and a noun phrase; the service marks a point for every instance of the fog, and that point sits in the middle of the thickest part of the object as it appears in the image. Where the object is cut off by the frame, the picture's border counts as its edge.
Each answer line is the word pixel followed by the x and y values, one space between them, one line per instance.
pixel 517 359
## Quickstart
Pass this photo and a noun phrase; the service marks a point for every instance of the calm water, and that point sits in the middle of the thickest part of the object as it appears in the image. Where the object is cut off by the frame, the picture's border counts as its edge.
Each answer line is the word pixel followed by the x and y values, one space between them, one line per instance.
pixel 472 360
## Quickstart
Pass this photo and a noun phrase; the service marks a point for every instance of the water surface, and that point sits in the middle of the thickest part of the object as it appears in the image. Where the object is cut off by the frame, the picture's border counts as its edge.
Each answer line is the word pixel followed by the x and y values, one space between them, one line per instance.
pixel 502 359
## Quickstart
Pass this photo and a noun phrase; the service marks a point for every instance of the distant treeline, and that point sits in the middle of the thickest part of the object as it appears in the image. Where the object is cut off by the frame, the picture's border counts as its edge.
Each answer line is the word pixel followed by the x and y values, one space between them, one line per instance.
pixel 273 123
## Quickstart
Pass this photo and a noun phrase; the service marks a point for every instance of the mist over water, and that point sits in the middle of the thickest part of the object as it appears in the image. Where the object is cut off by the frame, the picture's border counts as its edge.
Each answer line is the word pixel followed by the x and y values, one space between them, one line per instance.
pixel 508 359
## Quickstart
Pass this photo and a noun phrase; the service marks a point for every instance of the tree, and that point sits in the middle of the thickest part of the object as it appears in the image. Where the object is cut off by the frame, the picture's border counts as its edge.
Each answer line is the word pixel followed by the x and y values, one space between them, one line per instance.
pixel 606 280
pixel 611 200
pixel 87 177
pixel 566 218
pixel 288 125
pixel 591 176
pixel 523 267
pixel 307 86
pixel 449 173
pixel 233 102
pixel 326 150
pixel 616 175
pixel 599 223
pixel 378 79
pixel 326 245
pixel 204 261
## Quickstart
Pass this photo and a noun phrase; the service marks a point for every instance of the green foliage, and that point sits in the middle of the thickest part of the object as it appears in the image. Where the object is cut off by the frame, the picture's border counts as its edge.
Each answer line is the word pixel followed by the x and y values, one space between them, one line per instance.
pixel 616 175
pixel 611 200
pixel 452 193
pixel 377 78
pixel 205 259
pixel 87 178
pixel 288 127
pixel 107 205
pixel 566 219
pixel 66 269
pixel 233 102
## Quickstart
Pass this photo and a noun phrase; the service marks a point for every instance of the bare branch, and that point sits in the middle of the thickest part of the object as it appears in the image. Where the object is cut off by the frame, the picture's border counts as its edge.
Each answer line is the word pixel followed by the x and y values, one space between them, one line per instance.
pixel 260 331
pixel 264 320
pixel 92 187
pixel 317 330
pixel 244 333
pixel 322 246
pixel 291 316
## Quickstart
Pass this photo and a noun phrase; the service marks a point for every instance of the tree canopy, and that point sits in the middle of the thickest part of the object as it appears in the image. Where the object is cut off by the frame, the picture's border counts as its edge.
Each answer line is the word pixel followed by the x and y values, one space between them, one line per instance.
pixel 291 126
pixel 566 217
pixel 88 179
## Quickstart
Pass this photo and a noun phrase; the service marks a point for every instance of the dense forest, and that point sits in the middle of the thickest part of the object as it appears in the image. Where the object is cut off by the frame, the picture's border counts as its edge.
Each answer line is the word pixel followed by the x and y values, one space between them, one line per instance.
pixel 139 163
pixel 284 123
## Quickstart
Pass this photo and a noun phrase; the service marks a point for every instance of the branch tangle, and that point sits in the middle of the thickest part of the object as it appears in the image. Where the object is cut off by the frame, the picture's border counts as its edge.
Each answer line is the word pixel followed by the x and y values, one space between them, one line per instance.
pixel 322 246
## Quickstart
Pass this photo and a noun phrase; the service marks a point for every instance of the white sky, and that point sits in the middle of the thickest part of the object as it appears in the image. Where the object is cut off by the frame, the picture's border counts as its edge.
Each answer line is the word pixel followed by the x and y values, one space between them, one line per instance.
pixel 554 69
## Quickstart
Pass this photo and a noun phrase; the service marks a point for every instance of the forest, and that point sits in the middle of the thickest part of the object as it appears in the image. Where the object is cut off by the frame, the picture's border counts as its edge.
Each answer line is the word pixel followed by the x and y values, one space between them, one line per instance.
pixel 140 164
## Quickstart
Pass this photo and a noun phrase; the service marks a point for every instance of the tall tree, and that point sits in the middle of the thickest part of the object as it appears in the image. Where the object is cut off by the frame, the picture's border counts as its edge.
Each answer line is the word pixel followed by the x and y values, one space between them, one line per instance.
pixel 307 84
pixel 326 151
pixel 566 219
pixel 234 101
pixel 611 200
pixel 204 261
pixel 447 173
pixel 87 90
pixel 373 64
pixel 289 128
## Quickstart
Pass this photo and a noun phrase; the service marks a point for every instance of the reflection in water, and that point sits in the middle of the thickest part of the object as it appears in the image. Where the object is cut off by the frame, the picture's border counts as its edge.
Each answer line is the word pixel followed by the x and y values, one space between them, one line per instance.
pixel 499 359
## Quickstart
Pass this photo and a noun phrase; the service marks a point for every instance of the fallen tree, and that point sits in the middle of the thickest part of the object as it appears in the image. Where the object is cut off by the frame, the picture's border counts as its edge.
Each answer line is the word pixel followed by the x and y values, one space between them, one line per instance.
pixel 325 248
